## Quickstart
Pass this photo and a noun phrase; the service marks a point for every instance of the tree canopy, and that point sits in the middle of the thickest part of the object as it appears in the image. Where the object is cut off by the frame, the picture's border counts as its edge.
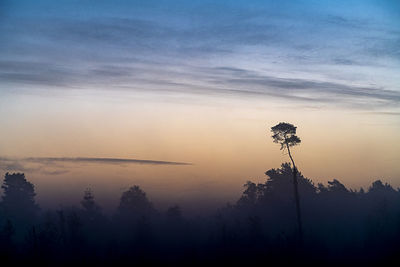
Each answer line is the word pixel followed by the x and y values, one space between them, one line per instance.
pixel 18 197
pixel 285 134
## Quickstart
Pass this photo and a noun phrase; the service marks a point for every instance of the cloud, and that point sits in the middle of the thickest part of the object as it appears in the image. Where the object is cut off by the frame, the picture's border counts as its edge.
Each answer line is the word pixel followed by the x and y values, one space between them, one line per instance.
pixel 383 113
pixel 221 80
pixel 51 166
pixel 205 48
pixel 103 160
pixel 57 172
pixel 149 76
pixel 7 164
pixel 250 82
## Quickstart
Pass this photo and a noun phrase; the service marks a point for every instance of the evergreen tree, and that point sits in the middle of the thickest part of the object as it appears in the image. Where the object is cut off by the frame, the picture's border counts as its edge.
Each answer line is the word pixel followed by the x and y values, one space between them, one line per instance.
pixel 18 200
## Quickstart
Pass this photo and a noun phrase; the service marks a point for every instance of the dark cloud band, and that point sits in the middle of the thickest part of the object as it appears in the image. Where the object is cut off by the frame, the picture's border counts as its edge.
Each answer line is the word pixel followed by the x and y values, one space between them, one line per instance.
pixel 52 166
pixel 104 160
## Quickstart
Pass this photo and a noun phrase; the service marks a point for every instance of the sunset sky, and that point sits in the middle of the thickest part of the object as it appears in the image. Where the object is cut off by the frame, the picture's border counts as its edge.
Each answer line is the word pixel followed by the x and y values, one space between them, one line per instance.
pixel 197 82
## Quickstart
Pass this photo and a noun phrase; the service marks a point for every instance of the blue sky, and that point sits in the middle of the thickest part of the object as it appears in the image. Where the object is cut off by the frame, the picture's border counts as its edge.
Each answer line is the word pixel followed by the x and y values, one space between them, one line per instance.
pixel 319 53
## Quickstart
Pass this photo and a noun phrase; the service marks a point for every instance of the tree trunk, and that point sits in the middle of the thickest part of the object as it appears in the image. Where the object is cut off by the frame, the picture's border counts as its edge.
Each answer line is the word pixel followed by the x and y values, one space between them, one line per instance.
pixel 296 198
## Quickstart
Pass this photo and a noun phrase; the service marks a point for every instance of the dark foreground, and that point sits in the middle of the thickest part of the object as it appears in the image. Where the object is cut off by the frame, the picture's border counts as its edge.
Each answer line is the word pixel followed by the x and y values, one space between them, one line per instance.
pixel 340 226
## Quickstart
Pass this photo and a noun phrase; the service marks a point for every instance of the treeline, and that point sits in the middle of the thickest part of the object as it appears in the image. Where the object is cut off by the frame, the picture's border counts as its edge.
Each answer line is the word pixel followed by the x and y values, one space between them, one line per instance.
pixel 340 225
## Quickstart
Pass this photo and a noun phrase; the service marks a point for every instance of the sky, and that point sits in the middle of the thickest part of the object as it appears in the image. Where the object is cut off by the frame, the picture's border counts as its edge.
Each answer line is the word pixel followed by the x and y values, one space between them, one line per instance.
pixel 179 96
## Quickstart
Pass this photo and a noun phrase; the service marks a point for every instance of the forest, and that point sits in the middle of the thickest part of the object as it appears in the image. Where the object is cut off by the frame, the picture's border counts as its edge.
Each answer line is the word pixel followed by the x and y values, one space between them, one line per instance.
pixel 339 225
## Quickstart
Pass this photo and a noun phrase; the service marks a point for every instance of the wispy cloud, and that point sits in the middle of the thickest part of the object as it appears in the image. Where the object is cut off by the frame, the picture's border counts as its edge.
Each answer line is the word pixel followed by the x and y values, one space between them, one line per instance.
pixel 51 165
pixel 104 160
pixel 207 47
pixel 383 113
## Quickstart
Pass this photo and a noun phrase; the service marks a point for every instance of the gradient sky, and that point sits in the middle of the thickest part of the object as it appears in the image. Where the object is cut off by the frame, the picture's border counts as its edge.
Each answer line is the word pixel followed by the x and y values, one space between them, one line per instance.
pixel 199 82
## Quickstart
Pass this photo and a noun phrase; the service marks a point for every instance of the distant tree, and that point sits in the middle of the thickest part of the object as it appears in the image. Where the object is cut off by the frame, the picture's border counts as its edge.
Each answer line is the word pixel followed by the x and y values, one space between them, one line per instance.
pixel 174 213
pixel 280 183
pixel 89 204
pixel 135 217
pixel 250 194
pixel 134 203
pixel 92 223
pixel 378 187
pixel 322 189
pixel 285 135
pixel 336 186
pixel 18 200
pixel 382 196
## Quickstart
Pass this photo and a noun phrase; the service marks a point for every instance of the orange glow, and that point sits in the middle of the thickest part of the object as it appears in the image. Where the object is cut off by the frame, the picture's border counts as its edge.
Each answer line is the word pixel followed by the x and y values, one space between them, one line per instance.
pixel 227 140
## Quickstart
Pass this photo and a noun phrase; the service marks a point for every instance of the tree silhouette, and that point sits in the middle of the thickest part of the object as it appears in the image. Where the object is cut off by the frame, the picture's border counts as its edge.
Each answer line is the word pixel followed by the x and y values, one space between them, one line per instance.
pixel 88 203
pixel 19 198
pixel 285 135
pixel 345 226
pixel 134 203
pixel 174 213
pixel 250 195
pixel 280 183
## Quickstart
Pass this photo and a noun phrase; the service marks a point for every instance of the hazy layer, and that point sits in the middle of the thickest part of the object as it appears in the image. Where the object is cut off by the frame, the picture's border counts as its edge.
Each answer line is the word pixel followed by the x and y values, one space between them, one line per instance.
pixel 226 138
